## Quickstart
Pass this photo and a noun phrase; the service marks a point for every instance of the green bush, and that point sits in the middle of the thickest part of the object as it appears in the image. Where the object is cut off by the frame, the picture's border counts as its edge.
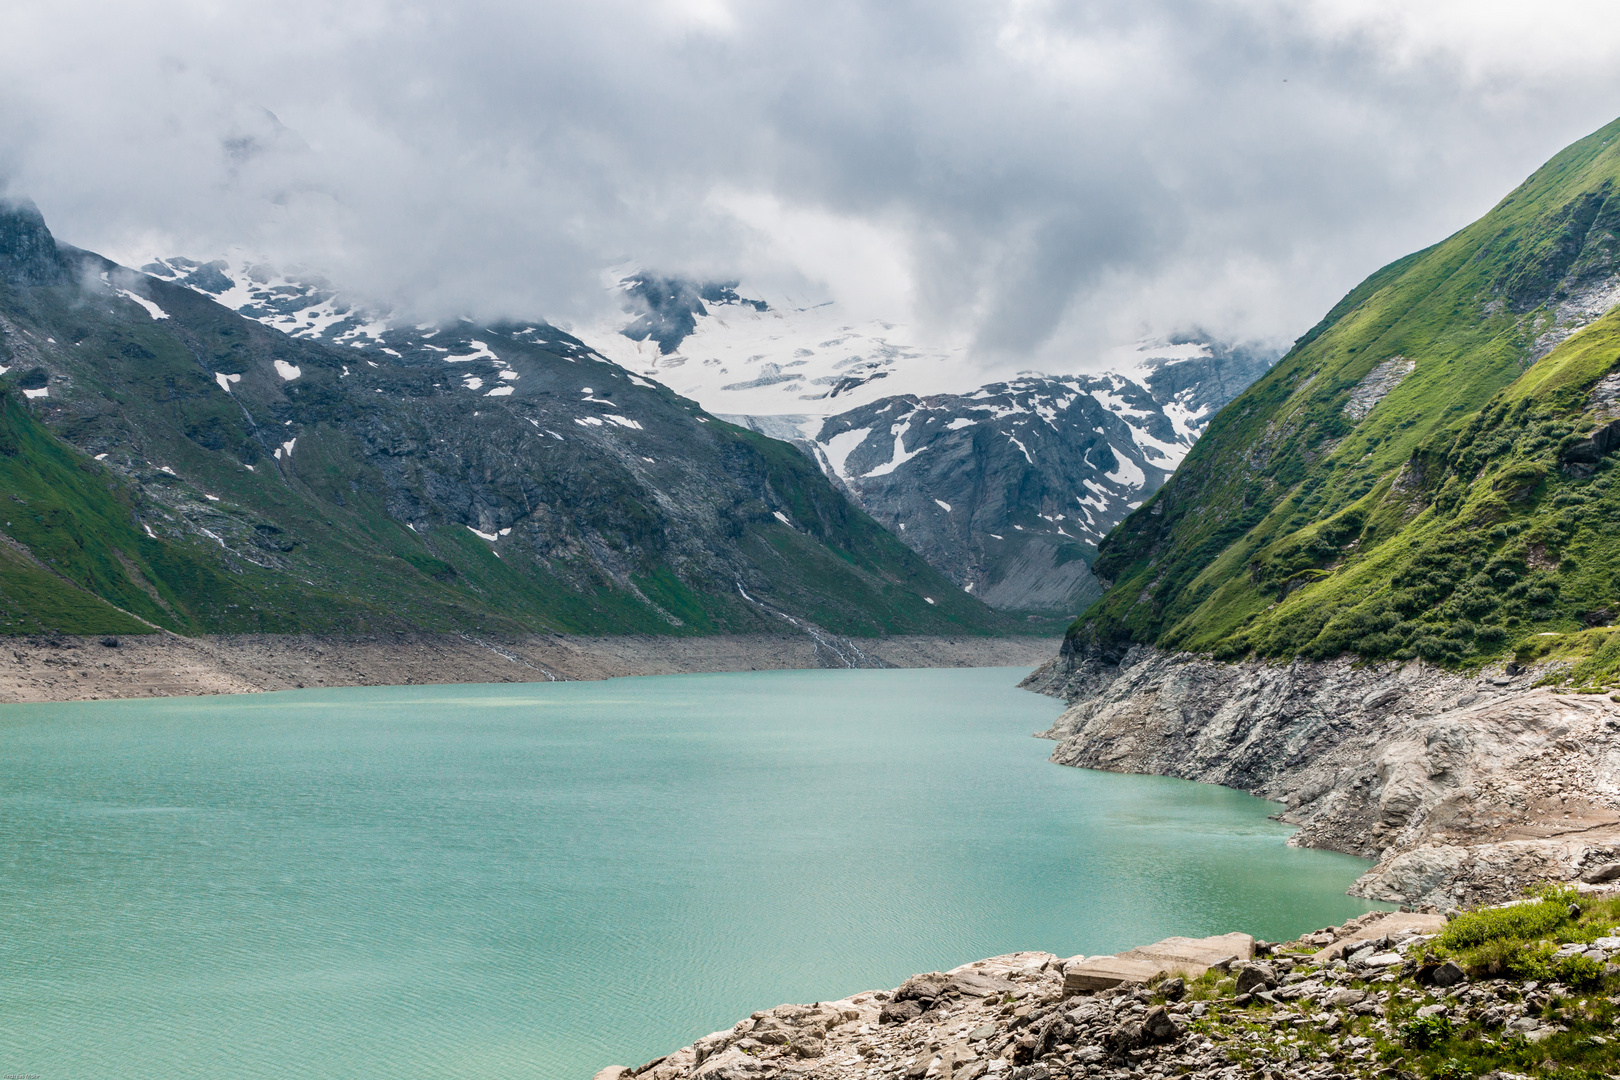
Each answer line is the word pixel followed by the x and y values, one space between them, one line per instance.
pixel 1519 921
pixel 1452 1069
pixel 1426 1031
pixel 1581 972
pixel 1509 958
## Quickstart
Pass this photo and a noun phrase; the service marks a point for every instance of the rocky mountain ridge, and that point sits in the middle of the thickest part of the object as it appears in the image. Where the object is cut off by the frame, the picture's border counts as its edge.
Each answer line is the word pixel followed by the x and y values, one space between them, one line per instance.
pixel 1427 473
pixel 1008 489
pixel 185 467
pixel 1035 502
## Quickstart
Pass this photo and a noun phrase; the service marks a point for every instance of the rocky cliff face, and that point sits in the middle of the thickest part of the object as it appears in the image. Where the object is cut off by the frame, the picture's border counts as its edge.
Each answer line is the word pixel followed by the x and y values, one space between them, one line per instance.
pixel 1009 489
pixel 28 252
pixel 1465 788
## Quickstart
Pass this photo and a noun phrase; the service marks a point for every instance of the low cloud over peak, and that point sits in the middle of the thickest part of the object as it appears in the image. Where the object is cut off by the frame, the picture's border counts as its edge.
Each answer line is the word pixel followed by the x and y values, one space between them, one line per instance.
pixel 1040 179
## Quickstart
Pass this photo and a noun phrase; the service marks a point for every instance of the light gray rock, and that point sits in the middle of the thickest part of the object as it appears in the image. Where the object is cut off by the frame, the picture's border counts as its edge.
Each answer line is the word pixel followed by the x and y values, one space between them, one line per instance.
pixel 733 1064
pixel 1423 786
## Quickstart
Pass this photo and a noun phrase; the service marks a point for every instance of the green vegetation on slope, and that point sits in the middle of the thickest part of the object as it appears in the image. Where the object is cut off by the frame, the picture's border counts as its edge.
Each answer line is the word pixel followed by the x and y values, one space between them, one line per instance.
pixel 1531 1004
pixel 1449 521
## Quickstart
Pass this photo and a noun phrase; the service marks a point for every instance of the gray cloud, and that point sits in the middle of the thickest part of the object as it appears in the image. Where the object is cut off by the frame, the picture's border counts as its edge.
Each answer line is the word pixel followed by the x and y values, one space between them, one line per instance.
pixel 1045 178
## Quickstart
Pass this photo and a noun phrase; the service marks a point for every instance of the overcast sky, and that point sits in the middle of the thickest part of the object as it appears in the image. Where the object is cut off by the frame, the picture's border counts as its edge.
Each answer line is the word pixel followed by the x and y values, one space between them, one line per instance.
pixel 1043 179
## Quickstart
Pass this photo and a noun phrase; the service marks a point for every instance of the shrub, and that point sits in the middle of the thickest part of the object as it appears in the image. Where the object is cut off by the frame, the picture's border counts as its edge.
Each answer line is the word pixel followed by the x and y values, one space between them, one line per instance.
pixel 1426 1031
pixel 1510 958
pixel 1581 972
pixel 1519 921
pixel 1452 1069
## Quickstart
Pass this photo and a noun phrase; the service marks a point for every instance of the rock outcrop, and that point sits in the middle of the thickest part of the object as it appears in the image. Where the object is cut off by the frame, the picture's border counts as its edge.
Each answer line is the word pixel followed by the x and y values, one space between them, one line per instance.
pixel 1465 788
pixel 28 252
pixel 1025 1017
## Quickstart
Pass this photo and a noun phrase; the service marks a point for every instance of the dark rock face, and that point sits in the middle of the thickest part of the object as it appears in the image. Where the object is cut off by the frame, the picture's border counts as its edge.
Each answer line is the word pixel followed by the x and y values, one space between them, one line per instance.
pixel 28 252
pixel 668 307
pixel 1008 490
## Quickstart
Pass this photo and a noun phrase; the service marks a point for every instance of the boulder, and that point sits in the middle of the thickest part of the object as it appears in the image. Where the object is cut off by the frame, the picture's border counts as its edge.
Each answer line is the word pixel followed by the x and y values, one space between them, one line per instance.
pixel 1176 955
pixel 973 984
pixel 733 1064
pixel 925 988
pixel 1122 1038
pixel 1255 977
pixel 1157 1026
pixel 1194 956
pixel 1448 974
pixel 899 1012
pixel 1599 874
pixel 710 1045
pixel 808 1047
pixel 1103 972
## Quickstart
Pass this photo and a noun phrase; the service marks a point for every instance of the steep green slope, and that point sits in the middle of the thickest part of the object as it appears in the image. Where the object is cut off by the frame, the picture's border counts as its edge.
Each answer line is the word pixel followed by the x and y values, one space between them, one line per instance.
pixel 1401 483
pixel 73 560
pixel 177 462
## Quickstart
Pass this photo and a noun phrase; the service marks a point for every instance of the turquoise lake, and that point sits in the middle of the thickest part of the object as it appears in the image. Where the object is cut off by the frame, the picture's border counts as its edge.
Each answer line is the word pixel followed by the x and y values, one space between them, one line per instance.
pixel 540 880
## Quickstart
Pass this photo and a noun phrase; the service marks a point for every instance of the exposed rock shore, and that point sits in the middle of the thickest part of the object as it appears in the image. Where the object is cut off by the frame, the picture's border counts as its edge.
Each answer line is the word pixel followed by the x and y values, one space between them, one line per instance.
pixel 1331 1004
pixel 1465 788
pixel 164 665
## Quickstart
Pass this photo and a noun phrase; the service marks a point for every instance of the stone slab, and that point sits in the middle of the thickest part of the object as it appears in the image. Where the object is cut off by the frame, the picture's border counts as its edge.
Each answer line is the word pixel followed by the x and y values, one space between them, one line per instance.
pixel 1190 957
pixel 1194 956
pixel 1394 923
pixel 1103 972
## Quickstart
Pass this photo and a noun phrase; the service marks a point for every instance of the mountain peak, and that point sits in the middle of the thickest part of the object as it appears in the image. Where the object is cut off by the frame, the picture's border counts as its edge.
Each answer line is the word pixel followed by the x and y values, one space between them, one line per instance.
pixel 28 251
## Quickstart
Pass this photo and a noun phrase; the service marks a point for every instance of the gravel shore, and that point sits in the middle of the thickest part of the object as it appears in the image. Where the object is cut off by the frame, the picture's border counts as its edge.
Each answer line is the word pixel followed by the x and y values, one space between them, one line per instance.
pixel 164 665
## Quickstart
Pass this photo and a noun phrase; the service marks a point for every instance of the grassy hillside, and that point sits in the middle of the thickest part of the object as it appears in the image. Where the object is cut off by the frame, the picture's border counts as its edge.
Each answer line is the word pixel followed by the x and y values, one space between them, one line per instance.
pixel 1411 479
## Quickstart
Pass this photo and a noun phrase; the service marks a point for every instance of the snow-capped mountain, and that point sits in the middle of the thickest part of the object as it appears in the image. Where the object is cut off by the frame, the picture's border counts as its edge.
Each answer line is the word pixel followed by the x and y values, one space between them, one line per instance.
pixel 1009 489
pixel 360 475
pixel 744 351
pixel 1005 488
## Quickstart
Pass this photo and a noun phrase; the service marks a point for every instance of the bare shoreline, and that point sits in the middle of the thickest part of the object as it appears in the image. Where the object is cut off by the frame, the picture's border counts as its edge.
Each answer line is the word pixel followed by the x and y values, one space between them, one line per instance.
pixel 34 669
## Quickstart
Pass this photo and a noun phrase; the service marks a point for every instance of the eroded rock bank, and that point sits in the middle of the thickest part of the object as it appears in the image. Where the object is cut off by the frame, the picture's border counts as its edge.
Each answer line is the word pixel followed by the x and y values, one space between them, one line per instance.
pixel 1465 788
pixel 34 669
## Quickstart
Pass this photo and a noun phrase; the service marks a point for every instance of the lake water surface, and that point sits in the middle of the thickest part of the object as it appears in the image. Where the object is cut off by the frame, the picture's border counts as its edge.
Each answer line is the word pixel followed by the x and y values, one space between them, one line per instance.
pixel 539 880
